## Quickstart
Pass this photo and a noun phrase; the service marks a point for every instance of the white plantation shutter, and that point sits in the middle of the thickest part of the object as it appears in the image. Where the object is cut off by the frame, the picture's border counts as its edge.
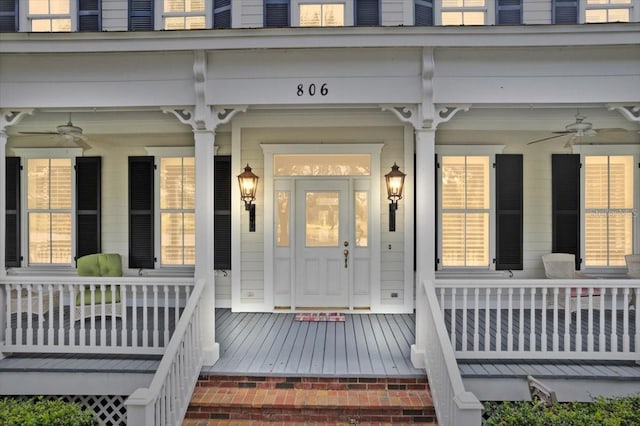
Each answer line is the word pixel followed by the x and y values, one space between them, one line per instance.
pixel 465 211
pixel 608 209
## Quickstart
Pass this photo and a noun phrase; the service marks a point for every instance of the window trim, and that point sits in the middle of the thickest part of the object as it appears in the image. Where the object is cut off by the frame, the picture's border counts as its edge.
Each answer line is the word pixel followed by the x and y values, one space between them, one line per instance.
pixel 159 16
pixel 349 15
pixel 470 151
pixel 609 150
pixel 489 10
pixel 158 153
pixel 25 155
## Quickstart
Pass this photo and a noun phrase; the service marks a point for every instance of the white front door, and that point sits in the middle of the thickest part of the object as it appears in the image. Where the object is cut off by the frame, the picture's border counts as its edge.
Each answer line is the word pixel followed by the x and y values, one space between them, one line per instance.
pixel 322 232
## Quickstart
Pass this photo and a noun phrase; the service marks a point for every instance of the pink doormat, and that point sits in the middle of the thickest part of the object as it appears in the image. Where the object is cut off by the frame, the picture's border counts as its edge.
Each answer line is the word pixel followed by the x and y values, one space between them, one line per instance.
pixel 320 316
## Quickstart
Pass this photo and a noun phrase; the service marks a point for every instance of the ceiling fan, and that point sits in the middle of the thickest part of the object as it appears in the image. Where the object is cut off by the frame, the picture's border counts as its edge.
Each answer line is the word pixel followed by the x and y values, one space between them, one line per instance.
pixel 577 129
pixel 67 132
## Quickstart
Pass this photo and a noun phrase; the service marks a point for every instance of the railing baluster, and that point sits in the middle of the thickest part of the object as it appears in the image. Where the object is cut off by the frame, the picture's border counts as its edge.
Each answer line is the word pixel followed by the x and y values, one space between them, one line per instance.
pixel 103 313
pixel 166 316
pixel 19 336
pixel 614 320
pixel 442 295
pixel 92 307
pixel 532 320
pixel 72 315
pixel 590 321
pixel 29 316
pixel 134 316
pixel 476 320
pixel 176 313
pixel 464 319
pixel 499 320
pixel 453 319
pixel 636 347
pixel 487 319
pixel 40 336
pixel 578 320
pixel 521 322
pixel 145 319
pixel 543 324
pixel 114 298
pixel 61 329
pixel 625 320
pixel 124 333
pixel 602 341
pixel 7 327
pixel 555 337
pixel 567 319
pixel 510 321
pixel 155 317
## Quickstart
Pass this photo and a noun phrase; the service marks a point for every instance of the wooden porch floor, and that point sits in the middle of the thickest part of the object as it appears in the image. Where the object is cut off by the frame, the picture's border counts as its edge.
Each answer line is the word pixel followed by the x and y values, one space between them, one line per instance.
pixel 275 344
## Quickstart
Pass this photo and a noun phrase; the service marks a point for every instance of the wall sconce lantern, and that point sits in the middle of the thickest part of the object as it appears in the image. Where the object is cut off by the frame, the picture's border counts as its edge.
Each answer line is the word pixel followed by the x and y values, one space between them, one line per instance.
pixel 248 185
pixel 395 184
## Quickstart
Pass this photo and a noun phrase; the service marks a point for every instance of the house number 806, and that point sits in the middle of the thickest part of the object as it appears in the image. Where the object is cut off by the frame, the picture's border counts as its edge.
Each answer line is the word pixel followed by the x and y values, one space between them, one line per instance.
pixel 312 89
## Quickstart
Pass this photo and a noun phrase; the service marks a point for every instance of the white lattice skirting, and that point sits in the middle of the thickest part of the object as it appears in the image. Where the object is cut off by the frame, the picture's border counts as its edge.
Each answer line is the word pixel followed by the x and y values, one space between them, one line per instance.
pixel 109 409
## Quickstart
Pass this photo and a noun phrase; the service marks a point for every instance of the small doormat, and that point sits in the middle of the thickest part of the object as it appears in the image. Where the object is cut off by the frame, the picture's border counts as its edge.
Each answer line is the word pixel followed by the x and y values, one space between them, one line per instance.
pixel 320 316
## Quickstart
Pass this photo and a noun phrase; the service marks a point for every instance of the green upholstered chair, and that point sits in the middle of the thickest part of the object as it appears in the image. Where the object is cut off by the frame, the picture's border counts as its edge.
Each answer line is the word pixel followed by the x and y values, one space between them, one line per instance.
pixel 98 265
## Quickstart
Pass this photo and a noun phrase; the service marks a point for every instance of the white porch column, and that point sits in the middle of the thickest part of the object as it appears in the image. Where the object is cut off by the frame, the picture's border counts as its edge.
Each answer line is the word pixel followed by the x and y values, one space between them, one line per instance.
pixel 425 233
pixel 204 152
pixel 3 212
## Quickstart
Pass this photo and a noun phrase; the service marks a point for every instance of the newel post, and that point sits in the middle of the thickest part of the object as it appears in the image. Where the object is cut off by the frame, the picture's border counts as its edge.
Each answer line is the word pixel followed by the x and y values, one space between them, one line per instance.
pixel 140 410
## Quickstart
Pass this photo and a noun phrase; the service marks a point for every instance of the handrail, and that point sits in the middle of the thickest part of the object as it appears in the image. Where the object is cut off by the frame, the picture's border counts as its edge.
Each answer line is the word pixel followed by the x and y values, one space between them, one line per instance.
pixel 166 399
pixel 454 405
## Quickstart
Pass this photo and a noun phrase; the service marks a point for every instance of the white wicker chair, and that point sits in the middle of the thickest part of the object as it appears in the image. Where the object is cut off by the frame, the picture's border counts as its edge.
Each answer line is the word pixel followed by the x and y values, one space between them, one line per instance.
pixel 633 271
pixel 563 266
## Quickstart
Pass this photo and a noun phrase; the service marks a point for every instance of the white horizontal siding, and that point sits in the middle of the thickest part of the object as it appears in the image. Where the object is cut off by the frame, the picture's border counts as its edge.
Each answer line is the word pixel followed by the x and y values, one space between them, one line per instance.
pixel 114 15
pixel 536 12
pixel 247 13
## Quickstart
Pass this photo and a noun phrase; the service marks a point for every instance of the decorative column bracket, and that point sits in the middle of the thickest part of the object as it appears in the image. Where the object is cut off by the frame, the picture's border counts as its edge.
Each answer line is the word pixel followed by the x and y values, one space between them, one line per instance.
pixel 630 112
pixel 214 119
pixel 11 118
pixel 410 114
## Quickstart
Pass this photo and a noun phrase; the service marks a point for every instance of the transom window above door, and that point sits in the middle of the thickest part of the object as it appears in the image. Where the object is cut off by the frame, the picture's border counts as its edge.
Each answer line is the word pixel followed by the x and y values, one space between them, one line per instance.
pixel 322 165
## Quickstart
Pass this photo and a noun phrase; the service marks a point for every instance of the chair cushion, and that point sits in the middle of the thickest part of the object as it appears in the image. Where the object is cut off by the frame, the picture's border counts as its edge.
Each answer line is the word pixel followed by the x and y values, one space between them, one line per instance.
pixel 110 265
pixel 88 266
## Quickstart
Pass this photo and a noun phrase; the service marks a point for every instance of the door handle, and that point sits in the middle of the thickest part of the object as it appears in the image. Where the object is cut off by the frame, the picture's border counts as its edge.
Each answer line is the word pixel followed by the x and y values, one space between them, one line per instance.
pixel 346 258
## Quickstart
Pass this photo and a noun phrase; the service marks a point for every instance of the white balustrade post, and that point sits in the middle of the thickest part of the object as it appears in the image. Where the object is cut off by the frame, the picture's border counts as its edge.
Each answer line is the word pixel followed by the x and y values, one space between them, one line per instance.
pixel 140 411
pixel 425 235
pixel 204 152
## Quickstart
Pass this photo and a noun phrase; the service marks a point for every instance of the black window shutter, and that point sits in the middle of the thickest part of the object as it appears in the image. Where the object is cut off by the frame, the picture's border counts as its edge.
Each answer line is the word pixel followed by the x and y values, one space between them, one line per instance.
pixel 565 11
pixel 509 212
pixel 89 15
pixel 141 211
pixel 88 205
pixel 367 13
pixel 508 12
pixel 140 15
pixel 8 16
pixel 565 204
pixel 423 12
pixel 221 14
pixel 276 13
pixel 222 212
pixel 12 225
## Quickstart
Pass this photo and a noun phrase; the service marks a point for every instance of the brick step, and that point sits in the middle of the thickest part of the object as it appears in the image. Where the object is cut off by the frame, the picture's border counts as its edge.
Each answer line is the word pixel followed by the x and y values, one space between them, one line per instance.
pixel 219 404
pixel 318 383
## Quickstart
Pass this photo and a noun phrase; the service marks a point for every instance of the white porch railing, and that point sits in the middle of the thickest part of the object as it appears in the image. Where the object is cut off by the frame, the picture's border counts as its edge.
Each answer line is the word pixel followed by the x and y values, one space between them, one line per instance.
pixel 454 406
pixel 543 319
pixel 115 315
pixel 166 399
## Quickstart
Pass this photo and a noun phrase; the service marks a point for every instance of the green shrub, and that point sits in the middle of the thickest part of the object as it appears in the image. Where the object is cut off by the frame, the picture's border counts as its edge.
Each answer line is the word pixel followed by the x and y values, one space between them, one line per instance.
pixel 624 411
pixel 42 412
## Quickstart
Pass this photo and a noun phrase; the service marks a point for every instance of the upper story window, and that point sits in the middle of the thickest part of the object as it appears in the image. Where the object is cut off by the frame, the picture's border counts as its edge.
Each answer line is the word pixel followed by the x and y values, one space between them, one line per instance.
pixel 608 209
pixel 50 15
pixel 463 12
pixel 607 11
pixel 183 14
pixel 321 13
pixel 53 16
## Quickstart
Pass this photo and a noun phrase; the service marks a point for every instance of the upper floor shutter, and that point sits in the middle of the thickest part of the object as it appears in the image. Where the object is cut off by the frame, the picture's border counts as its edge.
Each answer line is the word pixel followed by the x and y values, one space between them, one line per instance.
pixel 8 16
pixel 508 12
pixel 221 14
pixel 12 225
pixel 367 13
pixel 565 204
pixel 88 205
pixel 141 212
pixel 140 15
pixel 509 244
pixel 88 15
pixel 565 11
pixel 222 212
pixel 423 10
pixel 276 13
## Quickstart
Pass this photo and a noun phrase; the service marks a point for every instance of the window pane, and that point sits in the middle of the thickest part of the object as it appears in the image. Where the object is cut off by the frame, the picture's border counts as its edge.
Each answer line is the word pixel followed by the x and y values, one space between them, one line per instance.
pixel 322 222
pixel 477 239
pixel 620 237
pixel 595 239
pixel 593 16
pixel 189 183
pixel 473 18
pixel 477 182
pixel 171 237
pixel 194 23
pixel 451 18
pixel 452 3
pixel 621 182
pixel 596 182
pixel 171 183
pixel 174 5
pixel 310 15
pixel 189 239
pixel 618 15
pixel 453 250
pixel 59 7
pixel 61 238
pixel 194 5
pixel 474 3
pixel 453 182
pixel 38 183
pixel 39 238
pixel 282 219
pixel 39 7
pixel 176 23
pixel 362 218
pixel 60 185
pixel 332 15
pixel 322 164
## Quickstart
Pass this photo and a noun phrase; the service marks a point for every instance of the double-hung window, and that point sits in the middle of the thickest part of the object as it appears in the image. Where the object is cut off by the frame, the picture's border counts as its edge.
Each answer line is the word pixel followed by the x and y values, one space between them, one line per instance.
pixel 609 211
pixel 329 13
pixel 183 14
pixel 177 211
pixel 59 15
pixel 607 11
pixel 464 12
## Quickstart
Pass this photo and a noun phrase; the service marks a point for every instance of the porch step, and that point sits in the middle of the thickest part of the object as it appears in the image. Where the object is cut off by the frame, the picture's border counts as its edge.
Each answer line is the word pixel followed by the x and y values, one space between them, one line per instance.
pixel 321 400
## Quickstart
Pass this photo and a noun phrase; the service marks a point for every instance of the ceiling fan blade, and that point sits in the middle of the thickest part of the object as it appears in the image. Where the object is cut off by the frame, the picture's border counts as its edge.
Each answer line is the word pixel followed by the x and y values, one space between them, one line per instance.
pixel 38 133
pixel 549 138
